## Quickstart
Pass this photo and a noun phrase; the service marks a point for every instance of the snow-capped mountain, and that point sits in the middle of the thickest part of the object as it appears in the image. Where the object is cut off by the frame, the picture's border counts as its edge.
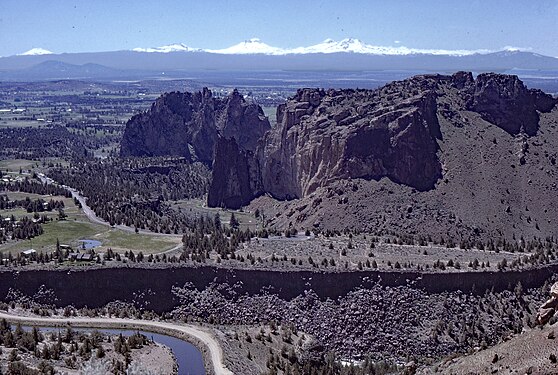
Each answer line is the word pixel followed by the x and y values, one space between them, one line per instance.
pixel 350 55
pixel 255 46
pixel 177 47
pixel 37 51
pixel 332 46
pixel 357 46
pixel 249 47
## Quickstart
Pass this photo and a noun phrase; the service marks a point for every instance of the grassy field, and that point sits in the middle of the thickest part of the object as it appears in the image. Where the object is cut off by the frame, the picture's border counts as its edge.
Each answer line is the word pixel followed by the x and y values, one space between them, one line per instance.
pixel 70 208
pixel 77 227
pixel 104 151
pixel 67 232
pixel 197 207
pixel 17 212
pixel 121 241
pixel 13 165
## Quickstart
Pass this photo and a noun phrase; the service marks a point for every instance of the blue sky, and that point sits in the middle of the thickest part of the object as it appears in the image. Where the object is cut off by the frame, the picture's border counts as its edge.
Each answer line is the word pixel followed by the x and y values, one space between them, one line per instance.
pixel 101 25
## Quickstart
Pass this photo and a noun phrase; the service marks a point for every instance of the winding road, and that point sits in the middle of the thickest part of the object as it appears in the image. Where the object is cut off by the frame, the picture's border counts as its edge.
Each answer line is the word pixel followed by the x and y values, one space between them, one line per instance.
pixel 214 352
pixel 92 217
pixel 91 214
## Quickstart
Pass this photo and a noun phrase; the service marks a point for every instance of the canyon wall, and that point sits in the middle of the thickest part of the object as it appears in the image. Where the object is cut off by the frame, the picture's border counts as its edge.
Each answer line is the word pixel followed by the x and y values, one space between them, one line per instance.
pixel 97 287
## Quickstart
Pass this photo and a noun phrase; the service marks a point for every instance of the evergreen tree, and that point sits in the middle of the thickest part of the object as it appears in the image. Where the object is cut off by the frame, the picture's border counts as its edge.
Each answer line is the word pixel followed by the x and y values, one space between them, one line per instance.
pixel 234 223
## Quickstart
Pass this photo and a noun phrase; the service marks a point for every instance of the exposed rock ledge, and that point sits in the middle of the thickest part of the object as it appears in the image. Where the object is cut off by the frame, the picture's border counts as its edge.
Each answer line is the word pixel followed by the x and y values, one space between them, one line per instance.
pixel 394 131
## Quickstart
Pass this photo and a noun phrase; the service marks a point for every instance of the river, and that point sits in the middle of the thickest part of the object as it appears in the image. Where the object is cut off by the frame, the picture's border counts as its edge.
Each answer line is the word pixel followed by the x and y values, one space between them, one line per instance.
pixel 188 357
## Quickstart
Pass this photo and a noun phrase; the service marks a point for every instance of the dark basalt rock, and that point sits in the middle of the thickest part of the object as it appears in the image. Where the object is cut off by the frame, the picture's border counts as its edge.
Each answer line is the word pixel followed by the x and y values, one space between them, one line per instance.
pixel 188 124
pixel 505 101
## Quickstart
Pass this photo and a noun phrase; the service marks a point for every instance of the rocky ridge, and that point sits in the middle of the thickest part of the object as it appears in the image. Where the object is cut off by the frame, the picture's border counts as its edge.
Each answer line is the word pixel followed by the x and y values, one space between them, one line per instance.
pixel 460 157
pixel 394 131
pixel 442 155
pixel 189 125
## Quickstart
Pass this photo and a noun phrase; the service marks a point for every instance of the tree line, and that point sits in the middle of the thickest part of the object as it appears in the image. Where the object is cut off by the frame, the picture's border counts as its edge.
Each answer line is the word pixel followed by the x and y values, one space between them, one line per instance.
pixel 135 192
pixel 36 205
pixel 38 143
pixel 33 186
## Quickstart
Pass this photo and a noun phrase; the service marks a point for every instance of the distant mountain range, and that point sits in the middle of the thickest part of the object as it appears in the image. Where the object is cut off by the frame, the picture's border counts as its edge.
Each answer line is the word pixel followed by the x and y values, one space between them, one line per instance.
pixel 347 55
pixel 256 46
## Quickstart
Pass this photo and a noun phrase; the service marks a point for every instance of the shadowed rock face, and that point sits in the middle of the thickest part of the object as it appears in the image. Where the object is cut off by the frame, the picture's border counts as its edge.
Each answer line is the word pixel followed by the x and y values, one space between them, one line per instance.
pixel 235 173
pixel 188 124
pixel 505 101
pixel 394 131
pixel 97 286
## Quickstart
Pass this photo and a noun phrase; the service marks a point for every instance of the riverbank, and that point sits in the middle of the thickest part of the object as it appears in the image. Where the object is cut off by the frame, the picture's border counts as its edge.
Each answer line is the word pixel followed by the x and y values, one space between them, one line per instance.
pixel 196 335
pixel 25 349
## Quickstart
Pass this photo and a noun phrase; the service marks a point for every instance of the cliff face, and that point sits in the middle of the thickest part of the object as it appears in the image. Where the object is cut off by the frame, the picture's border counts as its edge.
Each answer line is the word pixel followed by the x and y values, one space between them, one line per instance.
pixel 391 132
pixel 235 176
pixel 188 124
pixel 101 286
pixel 437 154
pixel 326 136
pixel 505 101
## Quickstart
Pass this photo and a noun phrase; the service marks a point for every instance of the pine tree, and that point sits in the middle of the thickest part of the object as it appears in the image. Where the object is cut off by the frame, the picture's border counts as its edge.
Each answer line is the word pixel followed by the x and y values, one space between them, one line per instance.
pixel 234 223
pixel 217 222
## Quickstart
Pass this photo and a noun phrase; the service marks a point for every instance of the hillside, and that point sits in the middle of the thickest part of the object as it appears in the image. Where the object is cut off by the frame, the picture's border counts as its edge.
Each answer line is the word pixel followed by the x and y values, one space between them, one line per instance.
pixel 447 156
pixel 533 351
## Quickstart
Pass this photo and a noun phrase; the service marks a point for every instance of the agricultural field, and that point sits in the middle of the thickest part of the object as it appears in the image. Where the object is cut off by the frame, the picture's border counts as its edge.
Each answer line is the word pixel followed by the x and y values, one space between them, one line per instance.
pixel 14 165
pixel 76 227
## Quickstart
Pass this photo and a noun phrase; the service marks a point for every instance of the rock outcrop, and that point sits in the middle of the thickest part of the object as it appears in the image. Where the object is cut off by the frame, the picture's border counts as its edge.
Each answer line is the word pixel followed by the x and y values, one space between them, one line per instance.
pixel 505 101
pixel 188 125
pixel 235 176
pixel 548 309
pixel 326 136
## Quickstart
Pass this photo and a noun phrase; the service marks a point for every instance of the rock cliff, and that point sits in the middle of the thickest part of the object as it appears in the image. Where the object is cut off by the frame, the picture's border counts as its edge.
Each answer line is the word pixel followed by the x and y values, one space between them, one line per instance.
pixel 326 136
pixel 548 308
pixel 394 131
pixel 235 174
pixel 505 101
pixel 188 125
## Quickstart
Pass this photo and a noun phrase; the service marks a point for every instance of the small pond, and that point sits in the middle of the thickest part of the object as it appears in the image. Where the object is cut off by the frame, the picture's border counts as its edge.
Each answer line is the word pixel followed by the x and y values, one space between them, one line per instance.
pixel 90 244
